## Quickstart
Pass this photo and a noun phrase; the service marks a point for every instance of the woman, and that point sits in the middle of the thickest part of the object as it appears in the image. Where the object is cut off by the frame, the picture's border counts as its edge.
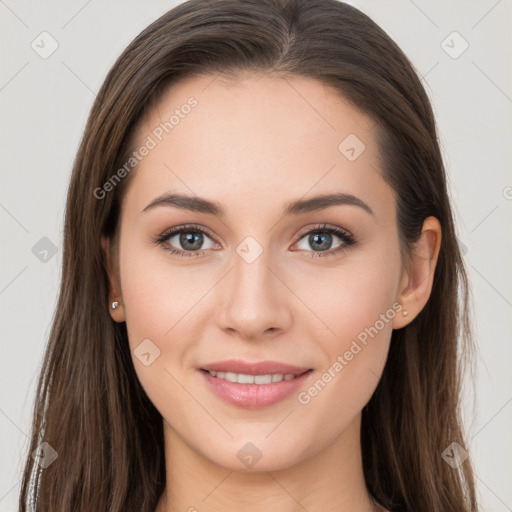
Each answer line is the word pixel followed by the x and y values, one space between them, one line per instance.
pixel 262 296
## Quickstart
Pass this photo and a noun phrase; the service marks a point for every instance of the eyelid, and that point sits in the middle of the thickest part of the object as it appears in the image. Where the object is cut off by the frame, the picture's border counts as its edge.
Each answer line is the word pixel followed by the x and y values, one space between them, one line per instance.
pixel 347 240
pixel 164 237
pixel 184 227
pixel 326 227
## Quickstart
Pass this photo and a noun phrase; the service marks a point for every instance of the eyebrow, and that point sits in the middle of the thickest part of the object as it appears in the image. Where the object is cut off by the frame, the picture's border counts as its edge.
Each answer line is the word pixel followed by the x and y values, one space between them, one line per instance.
pixel 201 205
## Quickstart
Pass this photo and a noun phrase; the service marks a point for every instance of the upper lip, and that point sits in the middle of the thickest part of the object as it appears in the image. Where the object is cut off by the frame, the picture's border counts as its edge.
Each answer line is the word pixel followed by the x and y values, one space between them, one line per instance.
pixel 254 368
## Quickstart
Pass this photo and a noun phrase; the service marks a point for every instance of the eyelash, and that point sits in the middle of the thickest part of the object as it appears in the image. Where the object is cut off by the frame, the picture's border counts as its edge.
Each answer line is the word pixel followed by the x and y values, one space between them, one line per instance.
pixel 347 239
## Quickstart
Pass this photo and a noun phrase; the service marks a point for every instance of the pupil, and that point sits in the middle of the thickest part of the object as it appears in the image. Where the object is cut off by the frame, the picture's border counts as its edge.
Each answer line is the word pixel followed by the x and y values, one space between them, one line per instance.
pixel 194 238
pixel 320 238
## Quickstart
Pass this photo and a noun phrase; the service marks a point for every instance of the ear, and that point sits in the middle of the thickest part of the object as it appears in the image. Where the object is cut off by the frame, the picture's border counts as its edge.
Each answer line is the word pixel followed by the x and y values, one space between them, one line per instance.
pixel 118 314
pixel 417 279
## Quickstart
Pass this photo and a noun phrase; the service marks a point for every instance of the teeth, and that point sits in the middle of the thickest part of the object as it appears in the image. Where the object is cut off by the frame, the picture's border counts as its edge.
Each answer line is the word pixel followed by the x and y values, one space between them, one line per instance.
pixel 243 378
pixel 232 377
pixel 263 379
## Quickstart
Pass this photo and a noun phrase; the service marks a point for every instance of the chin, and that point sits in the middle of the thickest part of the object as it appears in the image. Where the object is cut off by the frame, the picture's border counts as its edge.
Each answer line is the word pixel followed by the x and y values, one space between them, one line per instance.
pixel 254 454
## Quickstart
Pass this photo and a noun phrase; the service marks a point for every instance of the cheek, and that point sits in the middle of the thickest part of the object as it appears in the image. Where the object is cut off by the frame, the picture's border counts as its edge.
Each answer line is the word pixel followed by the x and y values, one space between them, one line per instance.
pixel 161 313
pixel 357 303
pixel 351 298
pixel 157 293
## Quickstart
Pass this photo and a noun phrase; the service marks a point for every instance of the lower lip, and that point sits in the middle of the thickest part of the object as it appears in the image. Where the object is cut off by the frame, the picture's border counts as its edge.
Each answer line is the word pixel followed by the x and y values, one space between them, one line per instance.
pixel 253 396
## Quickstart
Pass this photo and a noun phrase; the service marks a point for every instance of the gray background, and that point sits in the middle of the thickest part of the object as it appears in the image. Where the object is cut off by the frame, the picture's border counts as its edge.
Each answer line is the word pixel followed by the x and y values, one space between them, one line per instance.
pixel 44 103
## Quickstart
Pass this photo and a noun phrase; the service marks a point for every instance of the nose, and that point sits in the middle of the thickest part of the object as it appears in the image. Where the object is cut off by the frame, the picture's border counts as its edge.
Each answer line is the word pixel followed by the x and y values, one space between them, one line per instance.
pixel 253 300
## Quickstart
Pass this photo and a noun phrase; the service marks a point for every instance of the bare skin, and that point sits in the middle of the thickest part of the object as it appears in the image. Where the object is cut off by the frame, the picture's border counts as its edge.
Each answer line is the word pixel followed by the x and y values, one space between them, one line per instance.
pixel 253 145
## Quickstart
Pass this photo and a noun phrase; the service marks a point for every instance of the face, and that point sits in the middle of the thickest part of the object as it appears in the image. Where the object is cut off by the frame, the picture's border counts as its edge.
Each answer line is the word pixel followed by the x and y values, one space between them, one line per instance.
pixel 290 309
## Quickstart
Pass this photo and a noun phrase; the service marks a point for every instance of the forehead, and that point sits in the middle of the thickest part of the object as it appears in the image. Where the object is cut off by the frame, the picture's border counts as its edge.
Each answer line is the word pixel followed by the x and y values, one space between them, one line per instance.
pixel 257 137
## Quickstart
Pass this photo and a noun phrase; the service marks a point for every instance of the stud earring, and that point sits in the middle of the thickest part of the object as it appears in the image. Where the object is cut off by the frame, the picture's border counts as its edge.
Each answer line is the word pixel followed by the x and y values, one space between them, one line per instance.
pixel 115 305
pixel 405 312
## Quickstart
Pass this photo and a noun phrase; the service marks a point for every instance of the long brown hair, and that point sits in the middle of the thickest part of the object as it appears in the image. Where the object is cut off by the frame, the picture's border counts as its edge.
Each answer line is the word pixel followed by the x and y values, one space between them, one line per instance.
pixel 90 407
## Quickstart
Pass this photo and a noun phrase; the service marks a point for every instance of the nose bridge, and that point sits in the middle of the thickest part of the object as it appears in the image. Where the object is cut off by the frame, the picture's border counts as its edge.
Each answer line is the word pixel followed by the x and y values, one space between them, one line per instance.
pixel 254 303
pixel 251 273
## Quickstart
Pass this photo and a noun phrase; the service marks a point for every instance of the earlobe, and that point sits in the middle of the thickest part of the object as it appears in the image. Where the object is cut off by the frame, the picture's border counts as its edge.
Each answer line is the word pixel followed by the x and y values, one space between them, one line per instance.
pixel 418 278
pixel 116 308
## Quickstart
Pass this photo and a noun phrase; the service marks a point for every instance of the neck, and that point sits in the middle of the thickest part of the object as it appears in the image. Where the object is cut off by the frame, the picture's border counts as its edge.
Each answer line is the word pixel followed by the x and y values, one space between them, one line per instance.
pixel 331 479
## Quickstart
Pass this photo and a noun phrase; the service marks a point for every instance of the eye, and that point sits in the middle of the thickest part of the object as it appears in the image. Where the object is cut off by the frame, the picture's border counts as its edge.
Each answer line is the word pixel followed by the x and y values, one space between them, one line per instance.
pixel 185 241
pixel 321 239
pixel 188 241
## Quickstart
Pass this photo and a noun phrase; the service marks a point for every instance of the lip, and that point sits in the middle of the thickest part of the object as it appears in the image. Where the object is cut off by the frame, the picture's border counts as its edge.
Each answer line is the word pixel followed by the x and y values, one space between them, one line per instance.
pixel 254 396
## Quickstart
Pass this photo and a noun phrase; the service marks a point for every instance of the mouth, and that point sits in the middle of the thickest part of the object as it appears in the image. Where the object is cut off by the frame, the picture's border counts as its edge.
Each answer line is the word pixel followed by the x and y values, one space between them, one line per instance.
pixel 253 385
